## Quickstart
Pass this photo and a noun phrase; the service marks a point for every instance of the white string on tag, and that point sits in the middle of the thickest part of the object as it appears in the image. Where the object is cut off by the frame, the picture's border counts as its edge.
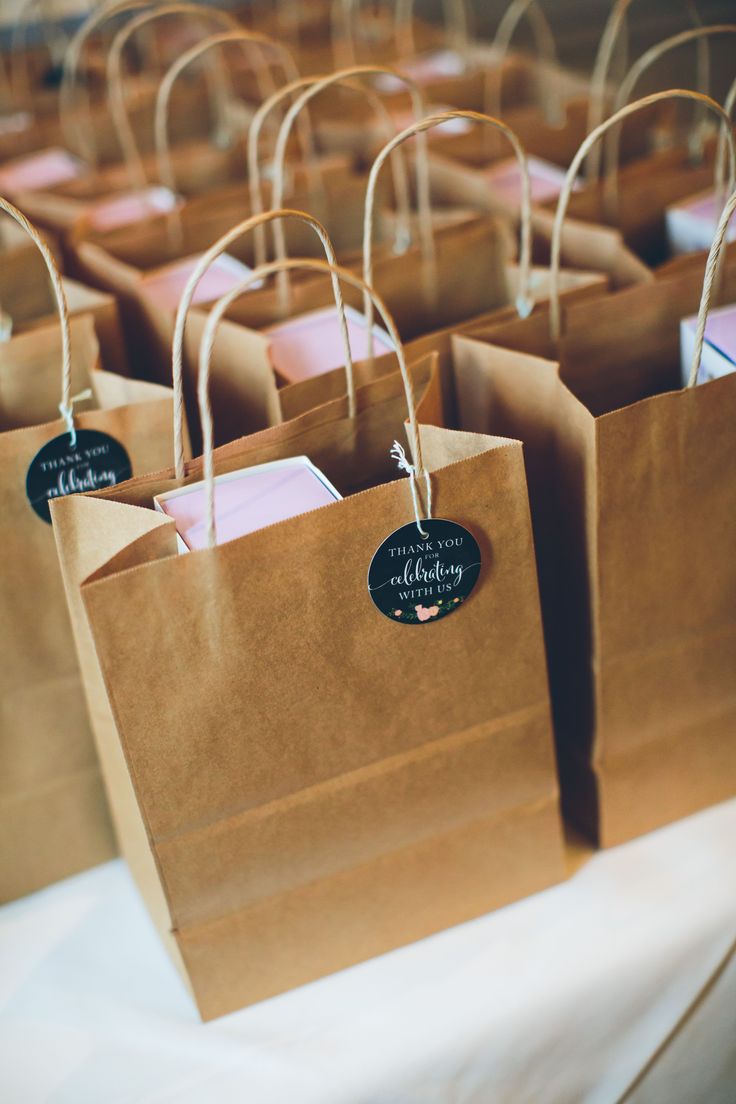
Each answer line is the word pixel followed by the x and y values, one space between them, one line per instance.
pixel 67 413
pixel 402 460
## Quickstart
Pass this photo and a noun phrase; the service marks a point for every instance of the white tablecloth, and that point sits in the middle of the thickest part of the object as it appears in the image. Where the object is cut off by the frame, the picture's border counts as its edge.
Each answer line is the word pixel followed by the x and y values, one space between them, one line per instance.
pixel 564 998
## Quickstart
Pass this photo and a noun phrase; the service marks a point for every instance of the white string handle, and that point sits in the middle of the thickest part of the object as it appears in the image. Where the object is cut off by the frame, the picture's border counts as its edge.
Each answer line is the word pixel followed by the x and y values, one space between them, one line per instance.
pixel 204 262
pixel 626 90
pixel 524 301
pixel 611 36
pixel 66 406
pixel 116 85
pixel 711 272
pixel 74 135
pixel 572 172
pixel 338 274
pixel 552 105
pixel 321 84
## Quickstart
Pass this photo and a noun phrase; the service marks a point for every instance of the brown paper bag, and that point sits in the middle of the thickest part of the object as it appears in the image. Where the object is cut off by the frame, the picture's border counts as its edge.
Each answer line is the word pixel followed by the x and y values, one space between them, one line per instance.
pixel 636 198
pixel 53 815
pixel 405 810
pixel 633 488
pixel 27 301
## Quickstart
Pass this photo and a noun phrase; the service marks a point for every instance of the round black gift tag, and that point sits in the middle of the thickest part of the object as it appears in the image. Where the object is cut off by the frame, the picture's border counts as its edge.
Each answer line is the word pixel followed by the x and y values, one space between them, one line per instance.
pixel 417 581
pixel 96 460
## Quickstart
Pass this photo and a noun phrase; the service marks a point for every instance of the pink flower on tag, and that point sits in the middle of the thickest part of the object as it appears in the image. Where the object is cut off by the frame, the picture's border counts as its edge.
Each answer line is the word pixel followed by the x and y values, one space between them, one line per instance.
pixel 423 614
pixel 397 613
pixel 433 611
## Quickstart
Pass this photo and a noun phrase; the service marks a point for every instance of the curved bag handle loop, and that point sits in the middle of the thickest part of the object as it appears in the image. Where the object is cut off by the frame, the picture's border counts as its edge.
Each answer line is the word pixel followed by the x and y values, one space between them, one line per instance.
pixel 338 274
pixel 160 126
pixel 711 276
pixel 401 184
pixel 116 86
pixel 74 135
pixel 625 91
pixel 553 106
pixel 66 405
pixel 455 15
pixel 343 76
pixel 590 141
pixel 215 250
pixel 611 36
pixel 524 301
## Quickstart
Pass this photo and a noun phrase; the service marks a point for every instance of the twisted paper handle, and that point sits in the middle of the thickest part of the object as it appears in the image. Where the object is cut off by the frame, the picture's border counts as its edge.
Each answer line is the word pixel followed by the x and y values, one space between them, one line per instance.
pixel 625 92
pixel 611 36
pixel 66 406
pixel 552 105
pixel 116 84
pixel 338 274
pixel 572 172
pixel 711 271
pixel 524 302
pixel 74 134
pixel 320 85
pixel 219 247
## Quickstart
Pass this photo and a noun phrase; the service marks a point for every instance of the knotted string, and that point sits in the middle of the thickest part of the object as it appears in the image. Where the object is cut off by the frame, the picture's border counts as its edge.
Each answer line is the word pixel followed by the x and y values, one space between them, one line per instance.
pixel 67 412
pixel 403 462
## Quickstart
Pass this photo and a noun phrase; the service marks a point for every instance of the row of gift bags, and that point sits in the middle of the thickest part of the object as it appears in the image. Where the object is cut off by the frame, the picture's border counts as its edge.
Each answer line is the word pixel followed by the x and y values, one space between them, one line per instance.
pixel 297 782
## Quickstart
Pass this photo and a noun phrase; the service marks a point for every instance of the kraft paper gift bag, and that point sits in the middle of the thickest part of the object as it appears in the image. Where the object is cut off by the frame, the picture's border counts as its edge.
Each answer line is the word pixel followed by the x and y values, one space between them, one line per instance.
pixel 633 488
pixel 53 815
pixel 27 302
pixel 637 197
pixel 423 791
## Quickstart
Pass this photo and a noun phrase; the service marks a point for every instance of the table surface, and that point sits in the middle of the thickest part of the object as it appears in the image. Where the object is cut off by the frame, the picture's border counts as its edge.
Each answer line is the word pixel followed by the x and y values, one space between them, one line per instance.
pixel 617 986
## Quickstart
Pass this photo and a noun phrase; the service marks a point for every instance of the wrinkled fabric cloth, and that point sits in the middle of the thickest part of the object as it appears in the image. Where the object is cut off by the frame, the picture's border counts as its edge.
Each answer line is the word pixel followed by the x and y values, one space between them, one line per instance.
pixel 563 998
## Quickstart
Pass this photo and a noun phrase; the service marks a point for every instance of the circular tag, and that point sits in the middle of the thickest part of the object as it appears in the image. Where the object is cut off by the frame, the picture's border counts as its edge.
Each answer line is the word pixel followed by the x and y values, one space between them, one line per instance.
pixel 417 581
pixel 97 460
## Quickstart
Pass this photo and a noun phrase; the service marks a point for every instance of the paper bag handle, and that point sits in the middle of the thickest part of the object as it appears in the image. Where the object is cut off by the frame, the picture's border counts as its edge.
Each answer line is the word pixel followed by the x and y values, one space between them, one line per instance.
pixel 588 144
pixel 455 14
pixel 546 51
pixel 116 86
pixel 524 302
pixel 611 36
pixel 625 92
pixel 204 262
pixel 338 274
pixel 163 96
pixel 321 84
pixel 711 273
pixel 66 405
pixel 401 181
pixel 74 134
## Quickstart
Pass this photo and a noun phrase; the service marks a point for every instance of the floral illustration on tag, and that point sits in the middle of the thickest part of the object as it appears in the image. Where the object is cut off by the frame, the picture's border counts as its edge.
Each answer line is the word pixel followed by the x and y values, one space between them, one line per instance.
pixel 419 581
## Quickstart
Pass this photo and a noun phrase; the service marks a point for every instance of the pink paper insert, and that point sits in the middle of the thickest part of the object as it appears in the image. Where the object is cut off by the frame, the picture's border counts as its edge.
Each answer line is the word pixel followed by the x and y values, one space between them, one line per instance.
pixel 706 207
pixel 165 286
pixel 46 169
pixel 312 343
pixel 247 503
pixel 546 180
pixel 122 210
pixel 423 70
pixel 720 329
